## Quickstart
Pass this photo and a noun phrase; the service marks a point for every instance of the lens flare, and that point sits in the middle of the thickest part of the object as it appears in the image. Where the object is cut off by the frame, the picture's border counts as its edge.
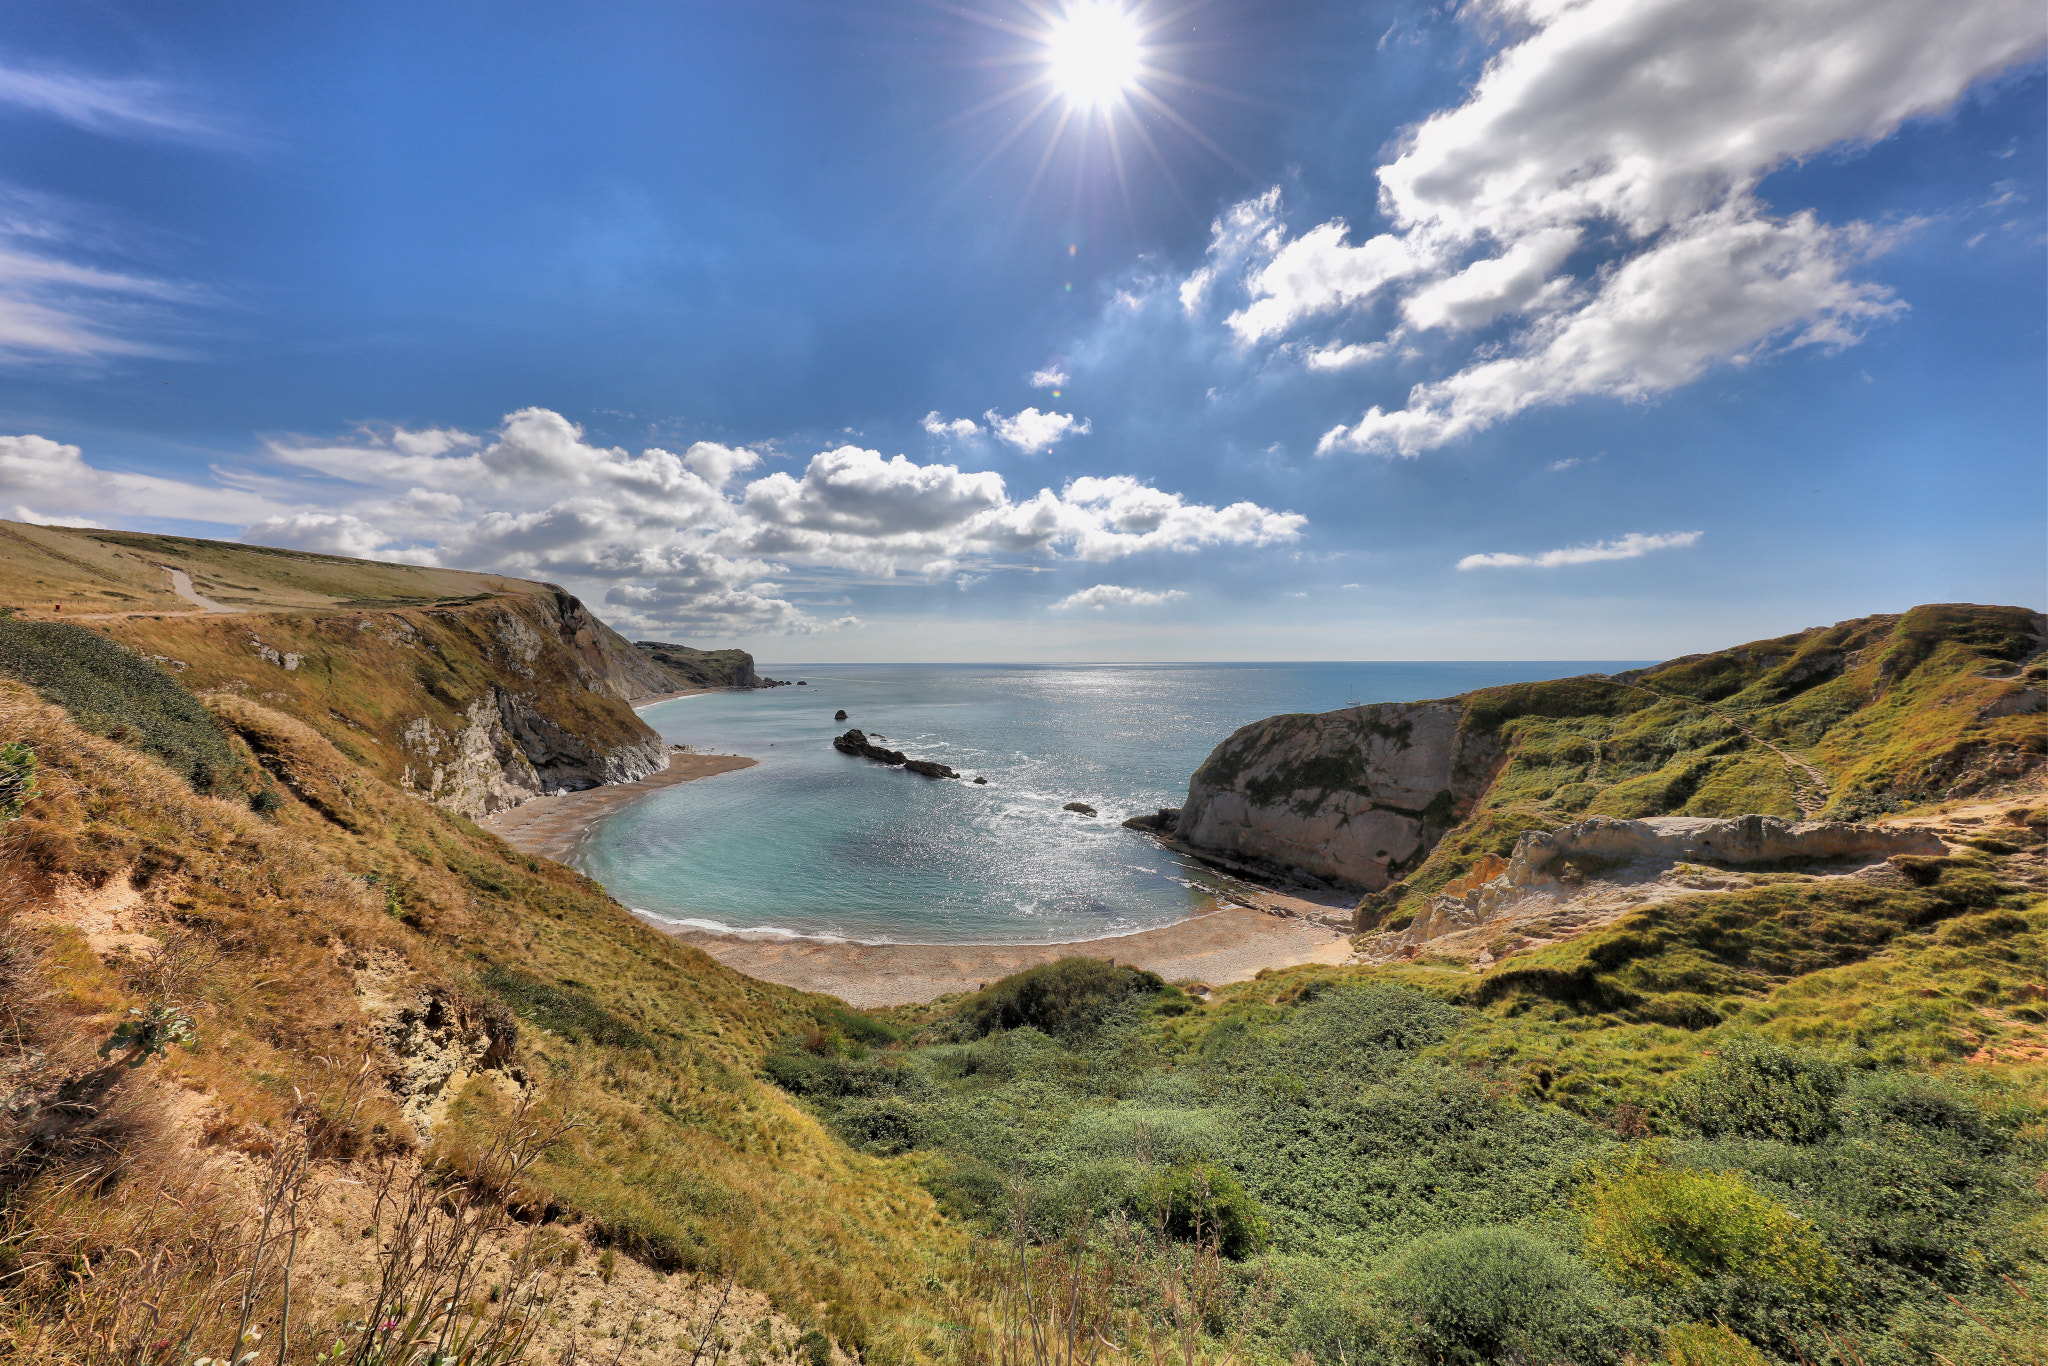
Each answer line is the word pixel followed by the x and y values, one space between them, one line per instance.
pixel 1094 53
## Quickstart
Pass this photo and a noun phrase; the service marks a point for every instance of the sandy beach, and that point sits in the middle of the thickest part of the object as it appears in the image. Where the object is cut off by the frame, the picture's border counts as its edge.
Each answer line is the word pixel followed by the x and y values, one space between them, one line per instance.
pixel 1229 945
pixel 1254 928
pixel 551 825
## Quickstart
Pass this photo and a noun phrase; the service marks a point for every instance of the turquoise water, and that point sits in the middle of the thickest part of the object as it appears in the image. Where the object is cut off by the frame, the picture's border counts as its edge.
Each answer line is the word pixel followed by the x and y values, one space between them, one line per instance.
pixel 812 842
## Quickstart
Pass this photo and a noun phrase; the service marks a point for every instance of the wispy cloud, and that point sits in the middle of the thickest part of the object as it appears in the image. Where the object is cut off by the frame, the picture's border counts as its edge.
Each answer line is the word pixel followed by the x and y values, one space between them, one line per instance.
pixel 1052 377
pixel 1629 547
pixel 52 309
pixel 53 305
pixel 112 105
pixel 1104 595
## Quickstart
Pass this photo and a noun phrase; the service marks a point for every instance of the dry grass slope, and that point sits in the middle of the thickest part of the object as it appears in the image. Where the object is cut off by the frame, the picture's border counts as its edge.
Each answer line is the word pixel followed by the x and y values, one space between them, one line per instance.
pixel 359 919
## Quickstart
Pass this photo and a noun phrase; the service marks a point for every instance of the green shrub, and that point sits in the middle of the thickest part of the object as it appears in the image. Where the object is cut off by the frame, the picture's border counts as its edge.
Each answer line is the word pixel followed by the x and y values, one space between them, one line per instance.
pixel 815 1348
pixel 829 1075
pixel 1925 1104
pixel 1485 1295
pixel 1069 997
pixel 1652 1226
pixel 116 693
pixel 858 1025
pixel 568 1010
pixel 1710 1344
pixel 265 801
pixel 18 766
pixel 1756 1089
pixel 1202 1201
pixel 885 1126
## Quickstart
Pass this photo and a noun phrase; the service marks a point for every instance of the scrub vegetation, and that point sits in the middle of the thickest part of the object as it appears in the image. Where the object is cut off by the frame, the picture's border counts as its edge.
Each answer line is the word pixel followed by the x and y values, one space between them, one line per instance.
pixel 390 1090
pixel 1851 722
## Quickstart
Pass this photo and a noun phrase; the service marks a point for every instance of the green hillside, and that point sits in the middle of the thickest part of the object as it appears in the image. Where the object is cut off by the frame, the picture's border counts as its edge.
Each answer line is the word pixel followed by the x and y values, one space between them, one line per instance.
pixel 1806 1120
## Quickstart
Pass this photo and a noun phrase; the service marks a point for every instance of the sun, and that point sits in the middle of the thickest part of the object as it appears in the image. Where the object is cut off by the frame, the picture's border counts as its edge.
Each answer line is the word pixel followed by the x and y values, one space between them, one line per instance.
pixel 1097 80
pixel 1094 53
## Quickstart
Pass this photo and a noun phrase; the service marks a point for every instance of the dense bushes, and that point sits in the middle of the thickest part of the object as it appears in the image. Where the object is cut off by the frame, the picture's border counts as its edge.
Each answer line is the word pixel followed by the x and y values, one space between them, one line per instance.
pixel 1371 1156
pixel 1484 1295
pixel 1202 1201
pixel 116 693
pixel 1654 1226
pixel 1756 1089
pixel 1072 996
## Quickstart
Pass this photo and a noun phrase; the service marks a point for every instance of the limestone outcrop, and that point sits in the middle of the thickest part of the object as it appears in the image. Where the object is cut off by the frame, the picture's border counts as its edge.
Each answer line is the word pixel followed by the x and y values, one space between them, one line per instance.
pixel 1356 796
pixel 507 752
pixel 1640 850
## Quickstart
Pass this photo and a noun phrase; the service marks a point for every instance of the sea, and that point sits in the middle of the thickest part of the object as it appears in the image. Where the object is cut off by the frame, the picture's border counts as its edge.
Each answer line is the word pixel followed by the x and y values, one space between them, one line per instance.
pixel 812 843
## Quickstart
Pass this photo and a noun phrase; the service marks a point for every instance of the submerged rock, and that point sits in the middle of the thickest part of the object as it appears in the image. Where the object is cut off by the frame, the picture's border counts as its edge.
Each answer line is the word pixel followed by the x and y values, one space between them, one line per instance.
pixel 1081 807
pixel 839 715
pixel 981 782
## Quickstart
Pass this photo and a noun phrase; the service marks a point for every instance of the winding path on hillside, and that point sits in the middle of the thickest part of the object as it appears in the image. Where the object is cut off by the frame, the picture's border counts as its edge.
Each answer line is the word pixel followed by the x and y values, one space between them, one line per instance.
pixel 181 584
pixel 1811 802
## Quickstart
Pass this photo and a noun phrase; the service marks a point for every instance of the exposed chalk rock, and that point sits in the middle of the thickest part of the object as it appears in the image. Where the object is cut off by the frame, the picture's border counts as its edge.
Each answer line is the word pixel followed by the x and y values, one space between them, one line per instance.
pixel 1359 795
pixel 1543 859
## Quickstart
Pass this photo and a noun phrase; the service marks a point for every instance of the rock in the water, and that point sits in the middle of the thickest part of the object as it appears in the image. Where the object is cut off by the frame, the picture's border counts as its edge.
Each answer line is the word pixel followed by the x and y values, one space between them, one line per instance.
pixel 1164 823
pixel 1081 807
pixel 839 715
pixel 860 746
pixel 981 782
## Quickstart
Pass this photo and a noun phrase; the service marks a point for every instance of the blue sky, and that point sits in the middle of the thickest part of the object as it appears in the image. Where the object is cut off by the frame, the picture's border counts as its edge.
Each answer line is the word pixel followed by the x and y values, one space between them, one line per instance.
pixel 1519 329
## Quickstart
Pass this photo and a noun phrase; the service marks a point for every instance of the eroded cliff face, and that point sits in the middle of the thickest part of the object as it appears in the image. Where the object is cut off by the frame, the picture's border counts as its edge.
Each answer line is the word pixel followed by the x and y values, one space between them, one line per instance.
pixel 507 753
pixel 477 706
pixel 1358 795
pixel 1550 868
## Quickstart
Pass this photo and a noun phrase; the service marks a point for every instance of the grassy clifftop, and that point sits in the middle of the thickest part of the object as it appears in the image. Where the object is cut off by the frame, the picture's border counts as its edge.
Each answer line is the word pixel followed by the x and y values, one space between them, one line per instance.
pixel 1849 722
pixel 692 668
pixel 475 690
pixel 93 571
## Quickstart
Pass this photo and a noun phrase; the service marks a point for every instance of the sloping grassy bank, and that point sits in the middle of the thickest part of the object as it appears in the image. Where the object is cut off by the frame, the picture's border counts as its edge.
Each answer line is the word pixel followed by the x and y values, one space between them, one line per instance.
pixel 310 918
pixel 1763 1126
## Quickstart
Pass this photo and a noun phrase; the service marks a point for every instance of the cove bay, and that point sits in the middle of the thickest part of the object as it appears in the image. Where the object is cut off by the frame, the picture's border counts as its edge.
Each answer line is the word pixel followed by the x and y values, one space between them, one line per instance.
pixel 812 842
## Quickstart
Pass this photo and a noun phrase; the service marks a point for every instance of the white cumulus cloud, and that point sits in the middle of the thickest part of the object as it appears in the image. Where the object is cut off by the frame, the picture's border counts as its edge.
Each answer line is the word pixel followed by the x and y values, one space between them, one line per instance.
pixel 666 542
pixel 1104 595
pixel 1033 431
pixel 959 427
pixel 1052 377
pixel 1597 191
pixel 1629 547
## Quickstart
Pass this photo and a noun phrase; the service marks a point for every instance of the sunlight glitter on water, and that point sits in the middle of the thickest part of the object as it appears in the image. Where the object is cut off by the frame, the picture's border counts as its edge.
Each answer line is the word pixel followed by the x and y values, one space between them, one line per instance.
pixel 813 842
